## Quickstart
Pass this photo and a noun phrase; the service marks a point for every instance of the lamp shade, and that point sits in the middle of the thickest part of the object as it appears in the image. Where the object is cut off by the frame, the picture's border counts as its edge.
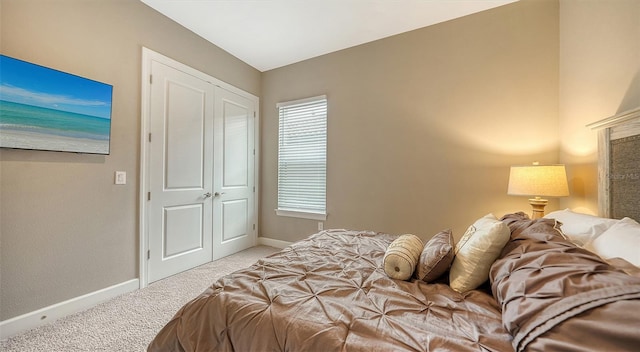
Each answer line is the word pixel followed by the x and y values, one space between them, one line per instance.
pixel 538 180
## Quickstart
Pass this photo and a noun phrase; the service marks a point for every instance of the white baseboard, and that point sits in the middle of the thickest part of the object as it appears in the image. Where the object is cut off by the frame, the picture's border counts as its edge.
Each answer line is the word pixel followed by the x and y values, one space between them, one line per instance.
pixel 266 241
pixel 56 311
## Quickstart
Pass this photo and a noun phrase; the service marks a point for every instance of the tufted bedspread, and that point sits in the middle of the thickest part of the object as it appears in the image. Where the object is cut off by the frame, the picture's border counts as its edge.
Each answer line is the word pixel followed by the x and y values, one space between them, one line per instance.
pixel 330 293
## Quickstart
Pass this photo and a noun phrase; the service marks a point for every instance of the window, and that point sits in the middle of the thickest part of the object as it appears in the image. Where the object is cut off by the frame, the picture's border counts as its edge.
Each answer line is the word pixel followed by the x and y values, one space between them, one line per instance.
pixel 302 158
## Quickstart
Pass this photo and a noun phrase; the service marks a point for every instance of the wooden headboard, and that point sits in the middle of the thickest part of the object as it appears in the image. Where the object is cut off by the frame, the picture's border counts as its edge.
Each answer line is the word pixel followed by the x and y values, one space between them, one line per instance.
pixel 619 165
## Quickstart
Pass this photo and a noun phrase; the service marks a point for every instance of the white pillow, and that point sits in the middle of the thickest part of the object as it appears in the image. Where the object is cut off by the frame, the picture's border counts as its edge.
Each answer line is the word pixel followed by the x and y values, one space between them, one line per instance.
pixel 581 228
pixel 622 240
pixel 476 251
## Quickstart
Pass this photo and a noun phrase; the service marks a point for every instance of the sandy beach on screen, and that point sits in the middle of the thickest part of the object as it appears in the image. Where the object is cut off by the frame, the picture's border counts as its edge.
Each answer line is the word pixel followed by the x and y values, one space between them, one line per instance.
pixel 32 140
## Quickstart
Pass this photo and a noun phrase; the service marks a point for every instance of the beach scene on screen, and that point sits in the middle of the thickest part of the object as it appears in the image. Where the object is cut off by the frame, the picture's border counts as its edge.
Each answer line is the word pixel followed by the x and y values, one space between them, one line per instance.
pixel 46 109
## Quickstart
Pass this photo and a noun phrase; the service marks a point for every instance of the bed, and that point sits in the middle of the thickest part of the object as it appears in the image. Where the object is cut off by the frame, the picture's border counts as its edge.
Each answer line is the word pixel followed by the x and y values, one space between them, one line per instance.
pixel 330 292
pixel 565 282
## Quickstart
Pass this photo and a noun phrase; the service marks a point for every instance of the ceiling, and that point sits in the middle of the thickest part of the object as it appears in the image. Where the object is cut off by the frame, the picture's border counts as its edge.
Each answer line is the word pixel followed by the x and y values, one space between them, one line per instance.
pixel 268 34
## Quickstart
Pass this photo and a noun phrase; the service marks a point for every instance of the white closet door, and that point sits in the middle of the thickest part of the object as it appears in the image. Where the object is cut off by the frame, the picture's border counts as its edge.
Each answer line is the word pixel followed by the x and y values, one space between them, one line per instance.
pixel 180 172
pixel 234 215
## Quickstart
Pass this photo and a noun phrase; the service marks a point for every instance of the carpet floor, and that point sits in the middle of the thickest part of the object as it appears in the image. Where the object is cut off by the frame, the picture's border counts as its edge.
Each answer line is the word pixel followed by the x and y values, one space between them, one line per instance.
pixel 130 321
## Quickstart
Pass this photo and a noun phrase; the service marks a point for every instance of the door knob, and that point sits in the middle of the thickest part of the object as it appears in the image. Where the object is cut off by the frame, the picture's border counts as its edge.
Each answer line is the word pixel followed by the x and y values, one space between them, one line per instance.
pixel 218 194
pixel 207 195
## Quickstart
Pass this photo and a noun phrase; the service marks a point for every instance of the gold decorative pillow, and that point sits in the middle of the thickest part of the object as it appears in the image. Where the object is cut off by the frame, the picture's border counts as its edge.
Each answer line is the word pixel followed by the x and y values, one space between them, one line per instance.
pixel 436 257
pixel 401 257
pixel 476 251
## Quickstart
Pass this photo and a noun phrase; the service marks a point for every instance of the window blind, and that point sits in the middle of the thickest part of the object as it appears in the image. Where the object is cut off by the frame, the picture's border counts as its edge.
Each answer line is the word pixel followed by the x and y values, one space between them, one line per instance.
pixel 302 156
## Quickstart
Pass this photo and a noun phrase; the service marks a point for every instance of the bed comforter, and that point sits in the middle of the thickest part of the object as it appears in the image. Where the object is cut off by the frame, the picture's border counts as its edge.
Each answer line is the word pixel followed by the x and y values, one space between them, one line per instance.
pixel 330 293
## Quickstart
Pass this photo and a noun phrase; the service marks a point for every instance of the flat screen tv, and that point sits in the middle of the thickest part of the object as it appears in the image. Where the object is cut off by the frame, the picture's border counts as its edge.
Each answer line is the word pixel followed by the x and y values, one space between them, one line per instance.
pixel 46 109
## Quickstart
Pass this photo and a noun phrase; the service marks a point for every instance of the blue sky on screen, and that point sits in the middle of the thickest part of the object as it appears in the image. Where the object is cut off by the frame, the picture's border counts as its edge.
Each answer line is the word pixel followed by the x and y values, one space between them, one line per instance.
pixel 26 83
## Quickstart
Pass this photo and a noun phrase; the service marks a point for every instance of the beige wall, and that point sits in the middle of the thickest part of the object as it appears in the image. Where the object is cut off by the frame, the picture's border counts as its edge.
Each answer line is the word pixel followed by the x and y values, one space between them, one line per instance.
pixel 66 228
pixel 423 126
pixel 599 77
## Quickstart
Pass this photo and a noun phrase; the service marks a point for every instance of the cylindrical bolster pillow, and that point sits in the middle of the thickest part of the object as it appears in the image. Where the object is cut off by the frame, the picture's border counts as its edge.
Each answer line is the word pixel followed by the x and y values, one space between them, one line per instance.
pixel 402 256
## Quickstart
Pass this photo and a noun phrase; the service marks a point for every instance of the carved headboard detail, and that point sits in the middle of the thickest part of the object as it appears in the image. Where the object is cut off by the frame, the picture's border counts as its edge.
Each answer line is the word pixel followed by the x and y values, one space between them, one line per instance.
pixel 619 165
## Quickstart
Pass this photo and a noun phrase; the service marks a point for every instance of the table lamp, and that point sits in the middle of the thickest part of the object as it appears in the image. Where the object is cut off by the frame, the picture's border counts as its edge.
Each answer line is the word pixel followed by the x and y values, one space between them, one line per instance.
pixel 538 181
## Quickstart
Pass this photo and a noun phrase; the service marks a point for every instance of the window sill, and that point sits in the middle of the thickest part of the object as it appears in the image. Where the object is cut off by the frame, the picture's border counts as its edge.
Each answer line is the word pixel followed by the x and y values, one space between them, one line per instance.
pixel 301 214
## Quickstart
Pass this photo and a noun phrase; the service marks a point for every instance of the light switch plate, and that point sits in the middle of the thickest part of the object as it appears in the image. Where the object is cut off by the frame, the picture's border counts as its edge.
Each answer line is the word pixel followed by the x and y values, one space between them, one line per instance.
pixel 121 178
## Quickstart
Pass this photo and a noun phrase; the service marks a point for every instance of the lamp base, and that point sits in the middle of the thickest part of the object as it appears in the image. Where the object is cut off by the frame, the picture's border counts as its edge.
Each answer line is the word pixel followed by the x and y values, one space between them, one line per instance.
pixel 537 204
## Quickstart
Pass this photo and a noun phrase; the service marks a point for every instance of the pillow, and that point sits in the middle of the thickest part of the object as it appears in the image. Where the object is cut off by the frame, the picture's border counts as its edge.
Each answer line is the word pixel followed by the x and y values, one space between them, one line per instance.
pixel 476 251
pixel 580 228
pixel 622 240
pixel 401 257
pixel 436 257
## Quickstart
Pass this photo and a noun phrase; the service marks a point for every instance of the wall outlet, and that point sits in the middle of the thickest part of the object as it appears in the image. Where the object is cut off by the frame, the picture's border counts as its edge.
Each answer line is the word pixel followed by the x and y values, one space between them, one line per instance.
pixel 320 226
pixel 121 178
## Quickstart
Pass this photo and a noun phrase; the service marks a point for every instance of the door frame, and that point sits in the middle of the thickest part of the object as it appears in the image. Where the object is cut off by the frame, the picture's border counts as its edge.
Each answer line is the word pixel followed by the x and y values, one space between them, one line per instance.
pixel 148 56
